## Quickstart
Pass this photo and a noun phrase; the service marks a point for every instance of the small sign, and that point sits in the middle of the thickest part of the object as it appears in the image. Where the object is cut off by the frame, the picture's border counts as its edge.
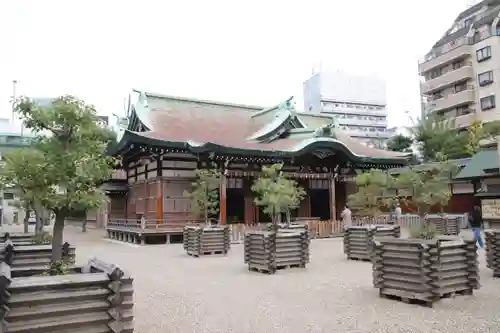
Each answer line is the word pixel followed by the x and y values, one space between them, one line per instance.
pixel 491 208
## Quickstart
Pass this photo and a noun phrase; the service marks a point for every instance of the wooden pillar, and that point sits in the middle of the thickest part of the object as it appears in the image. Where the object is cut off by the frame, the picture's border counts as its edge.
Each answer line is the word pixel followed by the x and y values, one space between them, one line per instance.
pixel 159 189
pixel 305 204
pixel 333 210
pixel 249 204
pixel 223 199
pixel 308 198
pixel 159 200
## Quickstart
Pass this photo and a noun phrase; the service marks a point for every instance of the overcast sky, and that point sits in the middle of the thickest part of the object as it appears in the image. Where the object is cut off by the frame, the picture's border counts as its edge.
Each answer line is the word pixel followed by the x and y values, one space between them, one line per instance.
pixel 253 52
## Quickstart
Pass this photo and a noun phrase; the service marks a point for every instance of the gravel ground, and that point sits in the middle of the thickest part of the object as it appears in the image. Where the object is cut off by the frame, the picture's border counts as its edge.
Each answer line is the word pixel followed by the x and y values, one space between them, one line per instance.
pixel 178 293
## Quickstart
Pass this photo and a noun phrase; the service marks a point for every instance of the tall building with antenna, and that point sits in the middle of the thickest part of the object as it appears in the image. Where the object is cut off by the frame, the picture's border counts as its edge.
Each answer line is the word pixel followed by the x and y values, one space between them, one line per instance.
pixel 358 103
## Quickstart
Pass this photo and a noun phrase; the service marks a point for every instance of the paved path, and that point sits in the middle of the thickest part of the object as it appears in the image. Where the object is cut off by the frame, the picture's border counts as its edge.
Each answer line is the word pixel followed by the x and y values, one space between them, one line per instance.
pixel 177 293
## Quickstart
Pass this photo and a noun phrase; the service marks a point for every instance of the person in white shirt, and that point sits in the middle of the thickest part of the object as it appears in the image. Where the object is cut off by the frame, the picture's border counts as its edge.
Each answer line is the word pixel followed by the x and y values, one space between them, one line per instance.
pixel 398 212
pixel 346 216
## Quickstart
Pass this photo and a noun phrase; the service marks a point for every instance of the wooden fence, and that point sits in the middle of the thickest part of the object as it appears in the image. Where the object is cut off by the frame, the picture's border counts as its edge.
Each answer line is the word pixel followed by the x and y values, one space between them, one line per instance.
pixel 97 299
pixel 330 228
pixel 149 225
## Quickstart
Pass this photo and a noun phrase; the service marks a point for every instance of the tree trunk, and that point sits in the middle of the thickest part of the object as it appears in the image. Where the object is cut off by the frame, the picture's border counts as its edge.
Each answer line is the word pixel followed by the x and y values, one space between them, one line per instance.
pixel 84 222
pixel 26 219
pixel 288 216
pixel 57 237
pixel 38 222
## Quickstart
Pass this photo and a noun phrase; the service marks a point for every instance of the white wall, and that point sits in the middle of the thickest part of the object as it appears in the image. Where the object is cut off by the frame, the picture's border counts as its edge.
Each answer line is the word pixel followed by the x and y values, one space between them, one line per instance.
pixel 346 87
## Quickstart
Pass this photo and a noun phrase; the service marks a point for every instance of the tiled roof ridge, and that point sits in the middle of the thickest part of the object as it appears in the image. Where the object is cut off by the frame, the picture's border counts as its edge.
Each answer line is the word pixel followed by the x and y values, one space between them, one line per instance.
pixel 202 101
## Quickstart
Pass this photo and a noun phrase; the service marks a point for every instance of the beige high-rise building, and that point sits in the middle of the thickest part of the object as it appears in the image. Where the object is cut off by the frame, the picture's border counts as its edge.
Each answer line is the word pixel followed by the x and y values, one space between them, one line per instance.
pixel 461 74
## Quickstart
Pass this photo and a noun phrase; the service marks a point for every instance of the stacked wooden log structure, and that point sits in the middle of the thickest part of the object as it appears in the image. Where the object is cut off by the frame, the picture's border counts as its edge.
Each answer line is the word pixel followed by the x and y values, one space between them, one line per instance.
pixel 205 240
pixel 492 238
pixel 18 238
pixel 445 225
pixel 414 270
pixel 268 251
pixel 358 240
pixel 33 259
pixel 97 297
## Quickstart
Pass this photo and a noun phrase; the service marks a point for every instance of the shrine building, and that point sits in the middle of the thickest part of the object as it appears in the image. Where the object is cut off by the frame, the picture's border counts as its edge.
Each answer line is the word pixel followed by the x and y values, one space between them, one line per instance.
pixel 166 138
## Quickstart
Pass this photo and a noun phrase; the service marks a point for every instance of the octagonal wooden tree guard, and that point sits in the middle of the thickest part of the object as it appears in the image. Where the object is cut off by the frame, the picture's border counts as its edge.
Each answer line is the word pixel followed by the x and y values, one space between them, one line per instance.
pixel 33 259
pixel 358 239
pixel 446 225
pixel 206 240
pixel 97 297
pixel 425 270
pixel 493 251
pixel 267 251
pixel 19 238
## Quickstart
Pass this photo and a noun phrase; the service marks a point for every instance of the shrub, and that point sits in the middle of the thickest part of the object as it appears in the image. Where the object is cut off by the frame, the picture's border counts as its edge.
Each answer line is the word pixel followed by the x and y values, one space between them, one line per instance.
pixel 426 231
pixel 42 238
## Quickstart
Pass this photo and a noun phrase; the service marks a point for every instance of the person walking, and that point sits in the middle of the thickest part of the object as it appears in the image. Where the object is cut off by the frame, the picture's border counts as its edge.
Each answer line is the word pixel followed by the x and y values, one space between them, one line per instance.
pixel 476 224
pixel 398 211
pixel 346 216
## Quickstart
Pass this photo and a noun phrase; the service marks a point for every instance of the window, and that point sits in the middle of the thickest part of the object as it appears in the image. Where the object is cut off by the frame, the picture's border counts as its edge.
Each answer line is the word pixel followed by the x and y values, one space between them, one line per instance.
pixel 438 95
pixel 488 102
pixel 435 73
pixel 485 78
pixel 483 54
pixel 8 196
pixel 476 38
pixel 457 64
pixel 460 87
pixel 463 110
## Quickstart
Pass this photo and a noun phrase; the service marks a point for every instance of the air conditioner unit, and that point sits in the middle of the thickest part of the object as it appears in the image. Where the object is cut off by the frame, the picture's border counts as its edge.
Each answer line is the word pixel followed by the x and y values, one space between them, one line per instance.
pixel 483 187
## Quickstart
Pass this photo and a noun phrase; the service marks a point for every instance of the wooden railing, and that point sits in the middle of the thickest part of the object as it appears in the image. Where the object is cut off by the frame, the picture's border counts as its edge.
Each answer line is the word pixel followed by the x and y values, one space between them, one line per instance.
pixel 317 228
pixel 150 225
pixel 330 228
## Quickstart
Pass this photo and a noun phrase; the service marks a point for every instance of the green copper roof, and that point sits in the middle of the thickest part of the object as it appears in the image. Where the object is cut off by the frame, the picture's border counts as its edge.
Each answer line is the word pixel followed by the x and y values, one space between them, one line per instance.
pixel 484 160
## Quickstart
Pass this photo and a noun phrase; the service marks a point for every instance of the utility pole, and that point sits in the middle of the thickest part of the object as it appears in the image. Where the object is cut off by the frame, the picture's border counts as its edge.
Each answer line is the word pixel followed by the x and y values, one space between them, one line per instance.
pixel 14 97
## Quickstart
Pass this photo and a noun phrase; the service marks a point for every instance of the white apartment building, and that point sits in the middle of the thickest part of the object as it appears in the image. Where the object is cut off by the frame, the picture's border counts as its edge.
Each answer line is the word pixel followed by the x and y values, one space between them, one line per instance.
pixel 461 73
pixel 358 103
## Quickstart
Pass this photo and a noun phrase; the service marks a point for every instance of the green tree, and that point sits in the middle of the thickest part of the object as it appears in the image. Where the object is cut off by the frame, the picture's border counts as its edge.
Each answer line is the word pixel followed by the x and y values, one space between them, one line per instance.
pixel 428 188
pixel 205 193
pixel 479 131
pixel 68 163
pixel 436 135
pixel 374 192
pixel 475 132
pixel 276 193
pixel 400 143
pixel 13 175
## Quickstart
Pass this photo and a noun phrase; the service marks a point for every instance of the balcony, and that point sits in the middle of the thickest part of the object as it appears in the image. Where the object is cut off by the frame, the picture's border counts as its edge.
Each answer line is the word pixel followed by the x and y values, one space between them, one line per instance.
pixel 453 100
pixel 468 119
pixel 447 53
pixel 448 79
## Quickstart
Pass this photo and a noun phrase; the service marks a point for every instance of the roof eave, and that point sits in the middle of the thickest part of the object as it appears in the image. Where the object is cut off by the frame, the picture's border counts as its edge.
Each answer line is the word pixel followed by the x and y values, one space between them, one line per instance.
pixel 137 138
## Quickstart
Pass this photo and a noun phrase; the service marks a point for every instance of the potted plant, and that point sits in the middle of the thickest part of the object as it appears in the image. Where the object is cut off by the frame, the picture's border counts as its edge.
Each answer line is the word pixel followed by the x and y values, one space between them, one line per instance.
pixel 271 250
pixel 374 194
pixel 427 189
pixel 205 202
